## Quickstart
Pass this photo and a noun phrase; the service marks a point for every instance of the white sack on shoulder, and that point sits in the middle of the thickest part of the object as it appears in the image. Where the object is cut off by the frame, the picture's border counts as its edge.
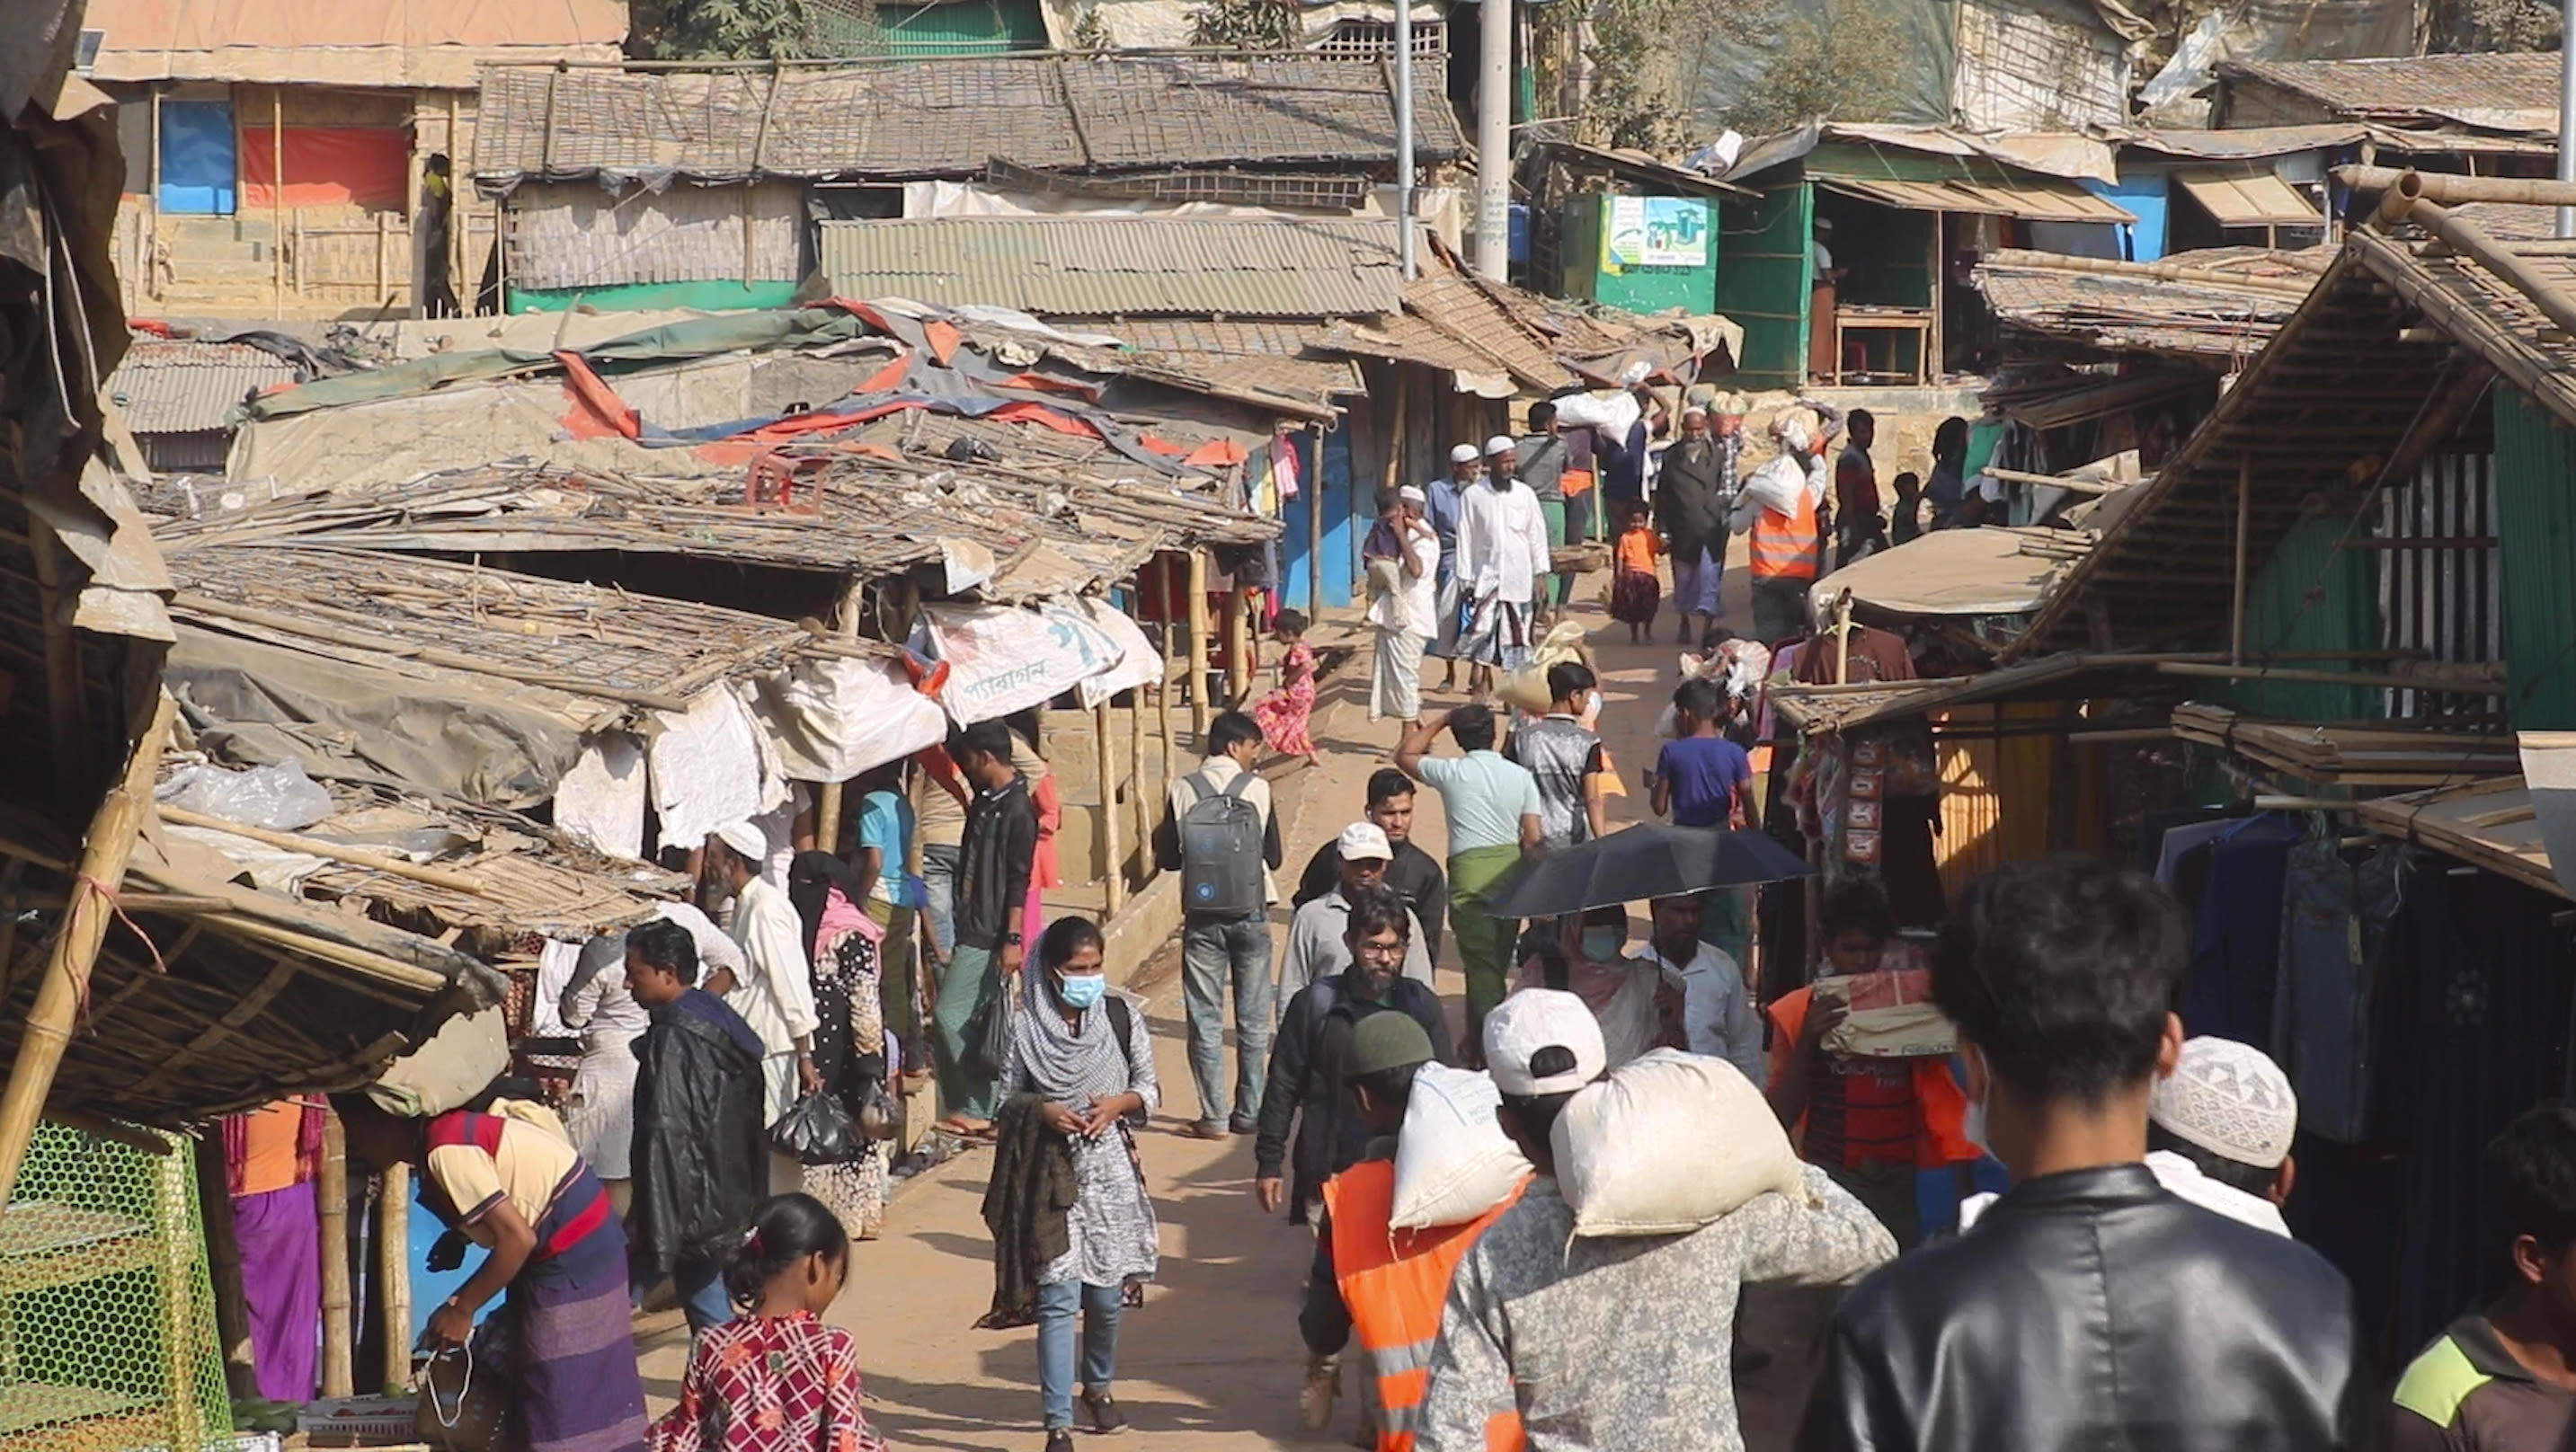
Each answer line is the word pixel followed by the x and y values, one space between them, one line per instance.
pixel 1453 1162
pixel 1668 1143
pixel 1779 485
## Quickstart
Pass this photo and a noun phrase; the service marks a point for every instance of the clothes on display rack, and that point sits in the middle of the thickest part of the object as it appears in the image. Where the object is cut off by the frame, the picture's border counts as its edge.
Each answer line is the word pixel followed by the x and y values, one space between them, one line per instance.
pixel 2236 930
pixel 2328 1016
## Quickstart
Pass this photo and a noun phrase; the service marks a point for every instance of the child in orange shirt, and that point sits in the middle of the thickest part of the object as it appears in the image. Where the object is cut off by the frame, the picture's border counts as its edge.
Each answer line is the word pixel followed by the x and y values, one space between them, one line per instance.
pixel 1635 591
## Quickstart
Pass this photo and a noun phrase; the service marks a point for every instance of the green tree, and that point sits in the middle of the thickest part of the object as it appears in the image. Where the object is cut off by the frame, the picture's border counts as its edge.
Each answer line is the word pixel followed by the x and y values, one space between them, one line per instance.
pixel 1246 25
pixel 1840 67
pixel 724 30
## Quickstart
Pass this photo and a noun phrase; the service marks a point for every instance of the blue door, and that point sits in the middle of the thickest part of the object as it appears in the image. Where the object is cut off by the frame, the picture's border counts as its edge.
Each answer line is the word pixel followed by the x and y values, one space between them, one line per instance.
pixel 198 165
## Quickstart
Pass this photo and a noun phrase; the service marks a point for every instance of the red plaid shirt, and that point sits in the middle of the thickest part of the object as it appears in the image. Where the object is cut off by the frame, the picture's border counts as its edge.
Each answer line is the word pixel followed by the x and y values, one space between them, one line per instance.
pixel 789 1384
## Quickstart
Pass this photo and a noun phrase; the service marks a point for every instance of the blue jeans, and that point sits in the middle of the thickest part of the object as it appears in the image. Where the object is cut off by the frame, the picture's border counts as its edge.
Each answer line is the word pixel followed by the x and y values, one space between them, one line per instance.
pixel 1100 1308
pixel 939 866
pixel 1214 953
pixel 703 1298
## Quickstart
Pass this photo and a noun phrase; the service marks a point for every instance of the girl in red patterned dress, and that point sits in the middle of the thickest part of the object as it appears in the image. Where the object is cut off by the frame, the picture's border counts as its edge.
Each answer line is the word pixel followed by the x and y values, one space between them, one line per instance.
pixel 775 1378
pixel 1283 713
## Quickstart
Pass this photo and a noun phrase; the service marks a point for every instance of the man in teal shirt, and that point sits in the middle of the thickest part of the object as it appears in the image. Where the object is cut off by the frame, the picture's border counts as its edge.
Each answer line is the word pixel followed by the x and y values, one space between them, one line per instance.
pixel 1493 809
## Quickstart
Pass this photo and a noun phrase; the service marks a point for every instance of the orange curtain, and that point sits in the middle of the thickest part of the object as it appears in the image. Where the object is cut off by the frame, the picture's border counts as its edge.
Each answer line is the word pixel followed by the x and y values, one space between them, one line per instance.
pixel 329 166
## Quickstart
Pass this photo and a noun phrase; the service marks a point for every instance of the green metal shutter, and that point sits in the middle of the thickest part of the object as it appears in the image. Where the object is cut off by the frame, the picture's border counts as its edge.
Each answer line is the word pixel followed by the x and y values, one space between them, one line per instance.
pixel 962 27
pixel 2535 483
pixel 2312 596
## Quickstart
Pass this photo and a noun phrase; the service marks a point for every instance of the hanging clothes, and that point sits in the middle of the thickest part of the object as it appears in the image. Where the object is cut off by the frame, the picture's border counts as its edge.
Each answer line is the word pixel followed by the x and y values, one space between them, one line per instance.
pixel 2236 932
pixel 2327 1014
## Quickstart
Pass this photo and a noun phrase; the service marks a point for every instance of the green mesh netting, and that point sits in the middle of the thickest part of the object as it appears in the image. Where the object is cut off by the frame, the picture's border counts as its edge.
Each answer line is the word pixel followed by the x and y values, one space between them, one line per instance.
pixel 107 1319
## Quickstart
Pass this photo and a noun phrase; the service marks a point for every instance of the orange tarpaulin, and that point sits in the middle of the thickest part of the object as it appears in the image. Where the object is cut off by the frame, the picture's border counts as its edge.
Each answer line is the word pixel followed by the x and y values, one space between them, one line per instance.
pixel 329 166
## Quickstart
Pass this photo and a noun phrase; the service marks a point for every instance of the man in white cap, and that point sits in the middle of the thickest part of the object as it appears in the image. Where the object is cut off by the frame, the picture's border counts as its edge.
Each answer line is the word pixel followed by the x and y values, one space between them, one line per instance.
pixel 1316 936
pixel 1404 607
pixel 774 992
pixel 1619 1342
pixel 1442 504
pixel 2219 1130
pixel 1503 560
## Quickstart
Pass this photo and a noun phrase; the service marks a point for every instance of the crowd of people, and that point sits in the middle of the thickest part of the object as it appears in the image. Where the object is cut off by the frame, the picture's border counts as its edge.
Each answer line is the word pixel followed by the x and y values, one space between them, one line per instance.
pixel 2134 1284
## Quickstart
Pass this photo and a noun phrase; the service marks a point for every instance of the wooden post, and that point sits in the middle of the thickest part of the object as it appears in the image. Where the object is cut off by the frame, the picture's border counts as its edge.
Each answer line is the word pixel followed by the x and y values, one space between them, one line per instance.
pixel 1163 692
pixel 1113 875
pixel 331 1192
pixel 277 195
pixel 1238 646
pixel 1198 618
pixel 382 297
pixel 827 803
pixel 223 1267
pixel 393 1275
pixel 2244 513
pixel 1139 793
pixel 75 950
pixel 1395 427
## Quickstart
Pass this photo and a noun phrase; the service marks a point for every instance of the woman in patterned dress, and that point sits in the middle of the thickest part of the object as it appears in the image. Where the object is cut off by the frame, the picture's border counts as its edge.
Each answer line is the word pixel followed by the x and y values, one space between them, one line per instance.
pixel 849 1036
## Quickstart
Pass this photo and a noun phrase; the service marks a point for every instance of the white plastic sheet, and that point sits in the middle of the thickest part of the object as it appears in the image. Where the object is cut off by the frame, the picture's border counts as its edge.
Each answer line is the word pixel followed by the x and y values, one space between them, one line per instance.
pixel 601 800
pixel 706 768
pixel 1003 659
pixel 1139 665
pixel 830 719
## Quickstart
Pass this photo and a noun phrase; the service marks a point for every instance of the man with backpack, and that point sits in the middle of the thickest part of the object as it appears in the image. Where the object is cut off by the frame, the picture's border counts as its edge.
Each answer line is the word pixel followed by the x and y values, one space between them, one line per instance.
pixel 1222 836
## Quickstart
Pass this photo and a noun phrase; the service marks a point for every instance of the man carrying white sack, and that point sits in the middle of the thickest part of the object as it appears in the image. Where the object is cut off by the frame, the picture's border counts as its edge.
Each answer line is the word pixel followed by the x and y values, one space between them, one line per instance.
pixel 1615 1343
pixel 2218 1134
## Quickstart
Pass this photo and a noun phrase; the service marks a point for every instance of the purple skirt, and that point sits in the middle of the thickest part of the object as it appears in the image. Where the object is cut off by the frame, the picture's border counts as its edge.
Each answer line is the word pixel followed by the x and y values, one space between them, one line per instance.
pixel 280 1235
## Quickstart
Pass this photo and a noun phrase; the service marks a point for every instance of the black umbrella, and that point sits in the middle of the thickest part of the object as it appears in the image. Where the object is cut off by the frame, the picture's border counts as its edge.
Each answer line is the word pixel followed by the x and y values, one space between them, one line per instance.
pixel 1643 862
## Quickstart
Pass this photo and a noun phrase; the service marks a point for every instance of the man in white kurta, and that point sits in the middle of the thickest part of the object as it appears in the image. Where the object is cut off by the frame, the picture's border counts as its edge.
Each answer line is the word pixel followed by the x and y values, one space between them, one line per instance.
pixel 775 991
pixel 1502 559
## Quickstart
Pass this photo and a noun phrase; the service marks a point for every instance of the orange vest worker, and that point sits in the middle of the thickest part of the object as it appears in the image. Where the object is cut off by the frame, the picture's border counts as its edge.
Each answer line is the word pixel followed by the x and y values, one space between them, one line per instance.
pixel 1787 547
pixel 1395 1282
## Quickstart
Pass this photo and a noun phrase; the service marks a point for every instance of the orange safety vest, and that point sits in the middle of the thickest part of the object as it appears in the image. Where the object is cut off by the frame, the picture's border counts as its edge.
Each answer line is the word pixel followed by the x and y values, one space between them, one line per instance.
pixel 1788 547
pixel 1394 1283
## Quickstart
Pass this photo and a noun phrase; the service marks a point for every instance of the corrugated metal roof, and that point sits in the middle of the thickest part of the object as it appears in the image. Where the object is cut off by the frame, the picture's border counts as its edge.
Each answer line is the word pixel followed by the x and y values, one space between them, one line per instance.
pixel 189 387
pixel 1109 266
pixel 950 117
pixel 2415 87
pixel 2171 307
pixel 2033 200
pixel 2248 143
pixel 1266 354
pixel 2249 199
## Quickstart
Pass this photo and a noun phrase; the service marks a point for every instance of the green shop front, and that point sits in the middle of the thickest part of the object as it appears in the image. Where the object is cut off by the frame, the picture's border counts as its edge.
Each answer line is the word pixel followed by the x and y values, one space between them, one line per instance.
pixel 1848 264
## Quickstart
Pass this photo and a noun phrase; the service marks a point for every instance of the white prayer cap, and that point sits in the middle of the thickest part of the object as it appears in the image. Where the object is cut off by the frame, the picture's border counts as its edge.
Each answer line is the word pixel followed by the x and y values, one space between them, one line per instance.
pixel 746 840
pixel 1542 1018
pixel 1464 454
pixel 2229 1099
pixel 1498 444
pixel 1412 495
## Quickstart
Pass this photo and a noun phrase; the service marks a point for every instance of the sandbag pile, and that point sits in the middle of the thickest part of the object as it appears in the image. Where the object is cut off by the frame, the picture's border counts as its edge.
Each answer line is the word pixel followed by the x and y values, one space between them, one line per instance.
pixel 1452 1161
pixel 1668 1143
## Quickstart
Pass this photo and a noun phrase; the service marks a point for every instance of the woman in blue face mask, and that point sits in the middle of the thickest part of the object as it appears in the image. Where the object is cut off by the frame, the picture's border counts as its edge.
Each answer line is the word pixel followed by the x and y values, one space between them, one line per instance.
pixel 1588 957
pixel 1081 1046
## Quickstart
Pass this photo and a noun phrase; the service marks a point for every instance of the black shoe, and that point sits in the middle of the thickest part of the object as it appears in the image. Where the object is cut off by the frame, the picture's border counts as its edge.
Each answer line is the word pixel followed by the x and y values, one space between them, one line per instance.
pixel 1105 1416
pixel 1243 1126
pixel 1059 1439
pixel 1205 1129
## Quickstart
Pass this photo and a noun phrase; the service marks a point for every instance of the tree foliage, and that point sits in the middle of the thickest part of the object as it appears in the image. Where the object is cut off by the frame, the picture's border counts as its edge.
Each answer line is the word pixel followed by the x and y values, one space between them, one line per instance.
pixel 1842 66
pixel 1248 25
pixel 724 29
pixel 1842 63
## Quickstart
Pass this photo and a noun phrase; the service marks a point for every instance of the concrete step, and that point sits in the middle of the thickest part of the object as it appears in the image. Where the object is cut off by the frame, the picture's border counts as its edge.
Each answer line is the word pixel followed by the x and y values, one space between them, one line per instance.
pixel 217 231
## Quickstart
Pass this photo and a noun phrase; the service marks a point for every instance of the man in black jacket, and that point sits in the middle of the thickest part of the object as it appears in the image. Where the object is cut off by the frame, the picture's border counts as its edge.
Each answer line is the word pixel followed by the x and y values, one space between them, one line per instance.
pixel 1414 874
pixel 701 1163
pixel 2088 1307
pixel 1310 1060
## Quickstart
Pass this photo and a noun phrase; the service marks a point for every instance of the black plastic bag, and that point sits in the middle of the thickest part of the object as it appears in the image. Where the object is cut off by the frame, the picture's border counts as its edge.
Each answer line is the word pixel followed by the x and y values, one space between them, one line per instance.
pixel 817 1130
pixel 988 1033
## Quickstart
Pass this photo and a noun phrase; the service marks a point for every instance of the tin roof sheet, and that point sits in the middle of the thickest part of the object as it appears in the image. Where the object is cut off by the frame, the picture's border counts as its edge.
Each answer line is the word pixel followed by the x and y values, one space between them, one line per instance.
pixel 1111 266
pixel 2416 88
pixel 183 387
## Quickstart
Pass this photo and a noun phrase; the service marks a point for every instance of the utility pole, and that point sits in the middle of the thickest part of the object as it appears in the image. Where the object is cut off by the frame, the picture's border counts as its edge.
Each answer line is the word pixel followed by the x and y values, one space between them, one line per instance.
pixel 1404 131
pixel 1494 141
pixel 2567 110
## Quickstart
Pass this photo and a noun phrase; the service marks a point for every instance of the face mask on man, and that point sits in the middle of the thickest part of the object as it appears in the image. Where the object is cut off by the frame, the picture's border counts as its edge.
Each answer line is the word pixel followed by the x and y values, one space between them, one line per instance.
pixel 1602 942
pixel 1082 990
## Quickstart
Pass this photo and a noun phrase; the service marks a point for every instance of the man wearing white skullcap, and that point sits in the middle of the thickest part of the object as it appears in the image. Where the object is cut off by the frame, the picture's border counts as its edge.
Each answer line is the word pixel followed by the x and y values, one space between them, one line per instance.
pixel 1446 499
pixel 775 991
pixel 1503 561
pixel 1555 1326
pixel 2219 1131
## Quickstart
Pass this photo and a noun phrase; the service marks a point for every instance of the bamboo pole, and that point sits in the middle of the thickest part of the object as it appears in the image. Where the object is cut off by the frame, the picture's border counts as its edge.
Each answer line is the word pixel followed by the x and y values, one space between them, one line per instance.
pixel 827 802
pixel 1163 691
pixel 1113 876
pixel 1198 617
pixel 393 1275
pixel 59 997
pixel 1139 796
pixel 317 847
pixel 224 1270
pixel 2244 525
pixel 2452 190
pixel 277 195
pixel 1238 646
pixel 2334 678
pixel 1315 529
pixel 331 1192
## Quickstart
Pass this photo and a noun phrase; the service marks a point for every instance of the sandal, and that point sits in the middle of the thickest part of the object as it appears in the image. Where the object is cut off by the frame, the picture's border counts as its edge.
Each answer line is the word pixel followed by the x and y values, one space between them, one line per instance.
pixel 1105 1416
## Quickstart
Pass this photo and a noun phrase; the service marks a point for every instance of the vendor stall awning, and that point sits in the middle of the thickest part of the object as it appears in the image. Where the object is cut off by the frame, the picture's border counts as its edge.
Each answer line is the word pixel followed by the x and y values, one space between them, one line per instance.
pixel 2249 198
pixel 2029 199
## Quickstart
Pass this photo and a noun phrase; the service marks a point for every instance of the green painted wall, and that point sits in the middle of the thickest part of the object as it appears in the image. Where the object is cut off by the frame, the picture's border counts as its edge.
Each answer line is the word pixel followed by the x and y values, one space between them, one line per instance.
pixel 2535 483
pixel 2312 596
pixel 1763 279
pixel 634 297
pixel 1593 274
pixel 971 27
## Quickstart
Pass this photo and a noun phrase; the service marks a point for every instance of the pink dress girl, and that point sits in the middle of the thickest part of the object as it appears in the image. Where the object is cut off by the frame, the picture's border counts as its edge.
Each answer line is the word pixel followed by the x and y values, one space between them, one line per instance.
pixel 1285 712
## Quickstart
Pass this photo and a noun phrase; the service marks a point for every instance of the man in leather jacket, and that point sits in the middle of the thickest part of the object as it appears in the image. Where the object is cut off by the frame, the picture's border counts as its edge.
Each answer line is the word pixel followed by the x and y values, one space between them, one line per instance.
pixel 701 1162
pixel 2089 1306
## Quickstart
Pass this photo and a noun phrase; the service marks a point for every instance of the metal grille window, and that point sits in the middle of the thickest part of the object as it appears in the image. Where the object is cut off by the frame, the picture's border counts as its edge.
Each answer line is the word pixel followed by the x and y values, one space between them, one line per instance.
pixel 1372 37
pixel 2438 578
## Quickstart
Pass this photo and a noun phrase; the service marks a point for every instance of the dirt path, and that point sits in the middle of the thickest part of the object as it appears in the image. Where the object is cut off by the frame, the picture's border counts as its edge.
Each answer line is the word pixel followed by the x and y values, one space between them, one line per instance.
pixel 1213 1359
